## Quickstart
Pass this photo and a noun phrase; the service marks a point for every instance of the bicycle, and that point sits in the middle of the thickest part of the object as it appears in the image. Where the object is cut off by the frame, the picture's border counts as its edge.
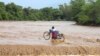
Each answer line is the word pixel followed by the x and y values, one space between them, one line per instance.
pixel 47 36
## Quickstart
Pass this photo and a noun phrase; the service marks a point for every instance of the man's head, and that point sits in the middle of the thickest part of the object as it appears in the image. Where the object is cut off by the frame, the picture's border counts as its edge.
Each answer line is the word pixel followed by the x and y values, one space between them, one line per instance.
pixel 53 27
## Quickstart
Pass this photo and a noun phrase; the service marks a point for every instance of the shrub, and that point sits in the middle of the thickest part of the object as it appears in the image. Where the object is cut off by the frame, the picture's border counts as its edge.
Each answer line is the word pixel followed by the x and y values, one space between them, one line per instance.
pixel 83 19
pixel 98 20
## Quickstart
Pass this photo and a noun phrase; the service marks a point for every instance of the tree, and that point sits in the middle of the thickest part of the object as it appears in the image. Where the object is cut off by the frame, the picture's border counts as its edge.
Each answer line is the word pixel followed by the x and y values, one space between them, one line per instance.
pixel 2 11
pixel 15 11
pixel 65 11
pixel 97 8
pixel 76 7
pixel 47 12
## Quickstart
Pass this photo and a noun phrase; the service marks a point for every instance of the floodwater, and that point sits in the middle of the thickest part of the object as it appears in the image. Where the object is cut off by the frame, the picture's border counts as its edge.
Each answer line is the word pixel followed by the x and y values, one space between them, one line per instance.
pixel 31 33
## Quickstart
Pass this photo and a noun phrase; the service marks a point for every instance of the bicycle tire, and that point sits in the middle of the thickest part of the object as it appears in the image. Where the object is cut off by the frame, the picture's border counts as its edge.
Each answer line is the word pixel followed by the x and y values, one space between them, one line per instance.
pixel 46 35
pixel 62 37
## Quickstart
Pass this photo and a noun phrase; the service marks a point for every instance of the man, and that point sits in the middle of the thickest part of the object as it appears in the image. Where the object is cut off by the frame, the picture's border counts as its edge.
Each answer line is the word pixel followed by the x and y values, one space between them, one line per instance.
pixel 53 32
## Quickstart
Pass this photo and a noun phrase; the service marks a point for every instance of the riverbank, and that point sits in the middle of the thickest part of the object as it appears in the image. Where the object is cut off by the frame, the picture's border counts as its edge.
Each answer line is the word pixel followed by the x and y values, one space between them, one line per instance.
pixel 48 50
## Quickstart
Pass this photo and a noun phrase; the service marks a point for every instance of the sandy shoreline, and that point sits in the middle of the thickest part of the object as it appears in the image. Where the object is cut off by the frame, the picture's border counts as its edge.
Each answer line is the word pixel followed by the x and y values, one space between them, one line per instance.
pixel 47 50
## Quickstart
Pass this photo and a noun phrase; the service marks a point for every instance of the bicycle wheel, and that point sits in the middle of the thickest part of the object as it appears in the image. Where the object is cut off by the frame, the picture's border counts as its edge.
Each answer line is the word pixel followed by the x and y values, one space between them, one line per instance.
pixel 61 36
pixel 46 35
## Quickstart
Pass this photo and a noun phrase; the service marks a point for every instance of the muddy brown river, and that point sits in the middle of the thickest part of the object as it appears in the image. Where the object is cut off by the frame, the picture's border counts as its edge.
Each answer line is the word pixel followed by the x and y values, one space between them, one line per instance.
pixel 31 33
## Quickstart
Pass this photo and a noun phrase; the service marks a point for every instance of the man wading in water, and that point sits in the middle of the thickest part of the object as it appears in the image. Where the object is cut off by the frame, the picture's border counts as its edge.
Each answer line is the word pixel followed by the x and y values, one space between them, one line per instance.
pixel 53 33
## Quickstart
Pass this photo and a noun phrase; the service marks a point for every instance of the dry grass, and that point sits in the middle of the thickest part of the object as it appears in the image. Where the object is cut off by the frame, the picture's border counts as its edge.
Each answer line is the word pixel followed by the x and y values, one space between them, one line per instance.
pixel 47 50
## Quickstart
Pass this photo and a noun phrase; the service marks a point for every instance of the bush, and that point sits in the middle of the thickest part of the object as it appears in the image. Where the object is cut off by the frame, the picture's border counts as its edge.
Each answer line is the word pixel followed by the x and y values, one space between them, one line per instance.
pixel 83 19
pixel 98 20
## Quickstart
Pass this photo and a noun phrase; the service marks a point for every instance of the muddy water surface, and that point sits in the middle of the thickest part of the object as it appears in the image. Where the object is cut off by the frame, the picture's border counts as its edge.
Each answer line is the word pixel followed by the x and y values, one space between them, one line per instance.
pixel 31 33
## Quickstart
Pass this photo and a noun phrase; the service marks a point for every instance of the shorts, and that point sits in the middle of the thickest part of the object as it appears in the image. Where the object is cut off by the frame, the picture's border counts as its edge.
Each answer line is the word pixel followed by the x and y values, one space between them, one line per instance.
pixel 54 37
